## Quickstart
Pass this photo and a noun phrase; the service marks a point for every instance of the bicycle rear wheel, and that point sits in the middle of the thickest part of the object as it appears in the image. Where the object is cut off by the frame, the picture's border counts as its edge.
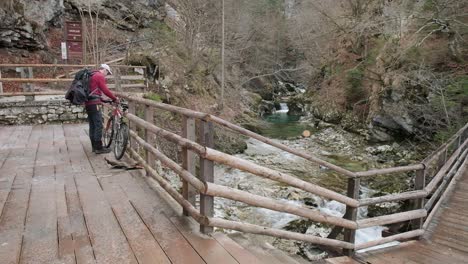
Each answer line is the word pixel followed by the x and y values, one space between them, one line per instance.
pixel 121 141
pixel 108 133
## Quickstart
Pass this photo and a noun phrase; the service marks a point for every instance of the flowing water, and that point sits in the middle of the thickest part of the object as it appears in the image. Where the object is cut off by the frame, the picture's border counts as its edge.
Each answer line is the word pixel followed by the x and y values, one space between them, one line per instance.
pixel 280 125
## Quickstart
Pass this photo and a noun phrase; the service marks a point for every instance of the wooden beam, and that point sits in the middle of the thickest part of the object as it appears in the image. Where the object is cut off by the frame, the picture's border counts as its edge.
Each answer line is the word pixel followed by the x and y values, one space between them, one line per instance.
pixel 419 184
pixel 33 80
pixel 402 236
pixel 31 94
pixel 170 190
pixel 149 136
pixel 255 229
pixel 415 167
pixel 351 213
pixel 1 84
pixel 390 219
pixel 276 205
pixel 68 65
pixel 393 198
pixel 166 161
pixel 248 166
pixel 188 159
pixel 206 174
pixel 263 139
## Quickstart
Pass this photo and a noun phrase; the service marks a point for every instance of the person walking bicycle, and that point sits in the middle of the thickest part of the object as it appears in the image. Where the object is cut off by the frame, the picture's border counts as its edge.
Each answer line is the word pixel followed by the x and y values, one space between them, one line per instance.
pixel 98 87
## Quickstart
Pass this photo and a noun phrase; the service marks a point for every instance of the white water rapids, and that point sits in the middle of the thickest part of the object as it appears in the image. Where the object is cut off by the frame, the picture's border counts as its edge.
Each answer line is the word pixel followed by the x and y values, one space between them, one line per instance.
pixel 269 156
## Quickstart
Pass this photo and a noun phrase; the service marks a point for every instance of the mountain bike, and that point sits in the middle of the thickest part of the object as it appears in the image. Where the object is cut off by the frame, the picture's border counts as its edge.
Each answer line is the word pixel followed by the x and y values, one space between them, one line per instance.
pixel 116 129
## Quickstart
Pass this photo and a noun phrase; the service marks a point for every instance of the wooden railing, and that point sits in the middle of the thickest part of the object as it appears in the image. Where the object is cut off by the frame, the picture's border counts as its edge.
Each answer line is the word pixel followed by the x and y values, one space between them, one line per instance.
pixel 440 170
pixel 125 78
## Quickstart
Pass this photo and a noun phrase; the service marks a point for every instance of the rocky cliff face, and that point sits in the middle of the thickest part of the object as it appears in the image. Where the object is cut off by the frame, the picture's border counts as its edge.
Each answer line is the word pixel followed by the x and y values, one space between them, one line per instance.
pixel 24 24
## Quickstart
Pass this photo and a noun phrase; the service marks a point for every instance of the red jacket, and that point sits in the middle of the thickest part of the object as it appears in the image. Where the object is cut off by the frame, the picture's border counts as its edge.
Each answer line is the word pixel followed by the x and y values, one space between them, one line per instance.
pixel 98 87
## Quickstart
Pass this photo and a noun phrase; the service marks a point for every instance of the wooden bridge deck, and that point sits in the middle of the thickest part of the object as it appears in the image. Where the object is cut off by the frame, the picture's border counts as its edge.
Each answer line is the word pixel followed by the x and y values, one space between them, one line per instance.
pixel 446 240
pixel 59 203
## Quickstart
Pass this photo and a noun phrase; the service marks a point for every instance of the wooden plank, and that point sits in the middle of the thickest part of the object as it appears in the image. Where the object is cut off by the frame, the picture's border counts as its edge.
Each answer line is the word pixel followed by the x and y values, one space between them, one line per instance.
pixel 80 234
pixel 128 86
pixel 15 209
pixel 463 247
pixel 169 238
pixel 146 248
pixel 257 248
pixel 142 242
pixel 40 236
pixel 241 254
pixel 342 260
pixel 208 248
pixel 453 255
pixel 176 247
pixel 66 252
pixel 8 172
pixel 107 238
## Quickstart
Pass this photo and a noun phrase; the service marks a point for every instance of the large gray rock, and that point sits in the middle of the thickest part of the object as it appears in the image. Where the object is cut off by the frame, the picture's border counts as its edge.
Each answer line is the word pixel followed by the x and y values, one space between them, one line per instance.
pixel 23 23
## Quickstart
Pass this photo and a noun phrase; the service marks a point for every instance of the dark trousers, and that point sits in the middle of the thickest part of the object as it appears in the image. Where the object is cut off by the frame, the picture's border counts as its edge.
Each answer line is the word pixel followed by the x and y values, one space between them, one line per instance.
pixel 95 125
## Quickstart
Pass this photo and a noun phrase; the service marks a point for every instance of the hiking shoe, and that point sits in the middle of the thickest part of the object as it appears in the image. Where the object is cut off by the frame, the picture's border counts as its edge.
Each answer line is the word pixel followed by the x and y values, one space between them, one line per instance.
pixel 102 151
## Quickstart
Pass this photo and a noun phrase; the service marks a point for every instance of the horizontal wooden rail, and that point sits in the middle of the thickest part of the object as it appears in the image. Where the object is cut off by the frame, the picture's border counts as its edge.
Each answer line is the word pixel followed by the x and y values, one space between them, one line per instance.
pixel 31 94
pixel 34 80
pixel 195 182
pixel 391 219
pixel 446 181
pixel 168 135
pixel 255 229
pixel 123 86
pixel 280 206
pixel 266 140
pixel 393 198
pixel 127 77
pixel 414 167
pixel 68 65
pixel 248 166
pixel 169 189
pixel 402 236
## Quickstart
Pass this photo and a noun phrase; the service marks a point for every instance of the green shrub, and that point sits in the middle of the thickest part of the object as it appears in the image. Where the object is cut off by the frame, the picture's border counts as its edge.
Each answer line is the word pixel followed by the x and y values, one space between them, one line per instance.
pixel 153 96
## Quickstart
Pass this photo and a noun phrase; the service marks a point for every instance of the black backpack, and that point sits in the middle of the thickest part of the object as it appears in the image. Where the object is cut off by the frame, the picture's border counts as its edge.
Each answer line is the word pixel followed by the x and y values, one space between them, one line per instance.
pixel 78 93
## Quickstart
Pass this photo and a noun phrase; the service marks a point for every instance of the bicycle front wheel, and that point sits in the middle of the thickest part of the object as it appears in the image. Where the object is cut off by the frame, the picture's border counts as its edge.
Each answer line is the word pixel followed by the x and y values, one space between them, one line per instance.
pixel 121 141
pixel 108 133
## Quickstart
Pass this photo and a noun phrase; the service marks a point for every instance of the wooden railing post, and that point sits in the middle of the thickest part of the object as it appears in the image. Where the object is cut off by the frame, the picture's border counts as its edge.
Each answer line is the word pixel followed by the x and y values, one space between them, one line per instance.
pixel 419 184
pixel 117 79
pixel 149 137
pixel 351 213
pixel 188 159
pixel 132 126
pixel 1 84
pixel 206 173
pixel 26 73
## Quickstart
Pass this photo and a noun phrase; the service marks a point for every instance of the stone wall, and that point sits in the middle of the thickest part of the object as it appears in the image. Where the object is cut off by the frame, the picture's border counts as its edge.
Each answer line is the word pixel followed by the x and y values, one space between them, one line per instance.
pixel 40 112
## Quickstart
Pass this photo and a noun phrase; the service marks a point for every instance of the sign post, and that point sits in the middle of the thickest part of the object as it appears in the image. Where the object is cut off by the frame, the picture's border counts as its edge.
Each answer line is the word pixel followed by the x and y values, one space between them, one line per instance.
pixel 74 40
